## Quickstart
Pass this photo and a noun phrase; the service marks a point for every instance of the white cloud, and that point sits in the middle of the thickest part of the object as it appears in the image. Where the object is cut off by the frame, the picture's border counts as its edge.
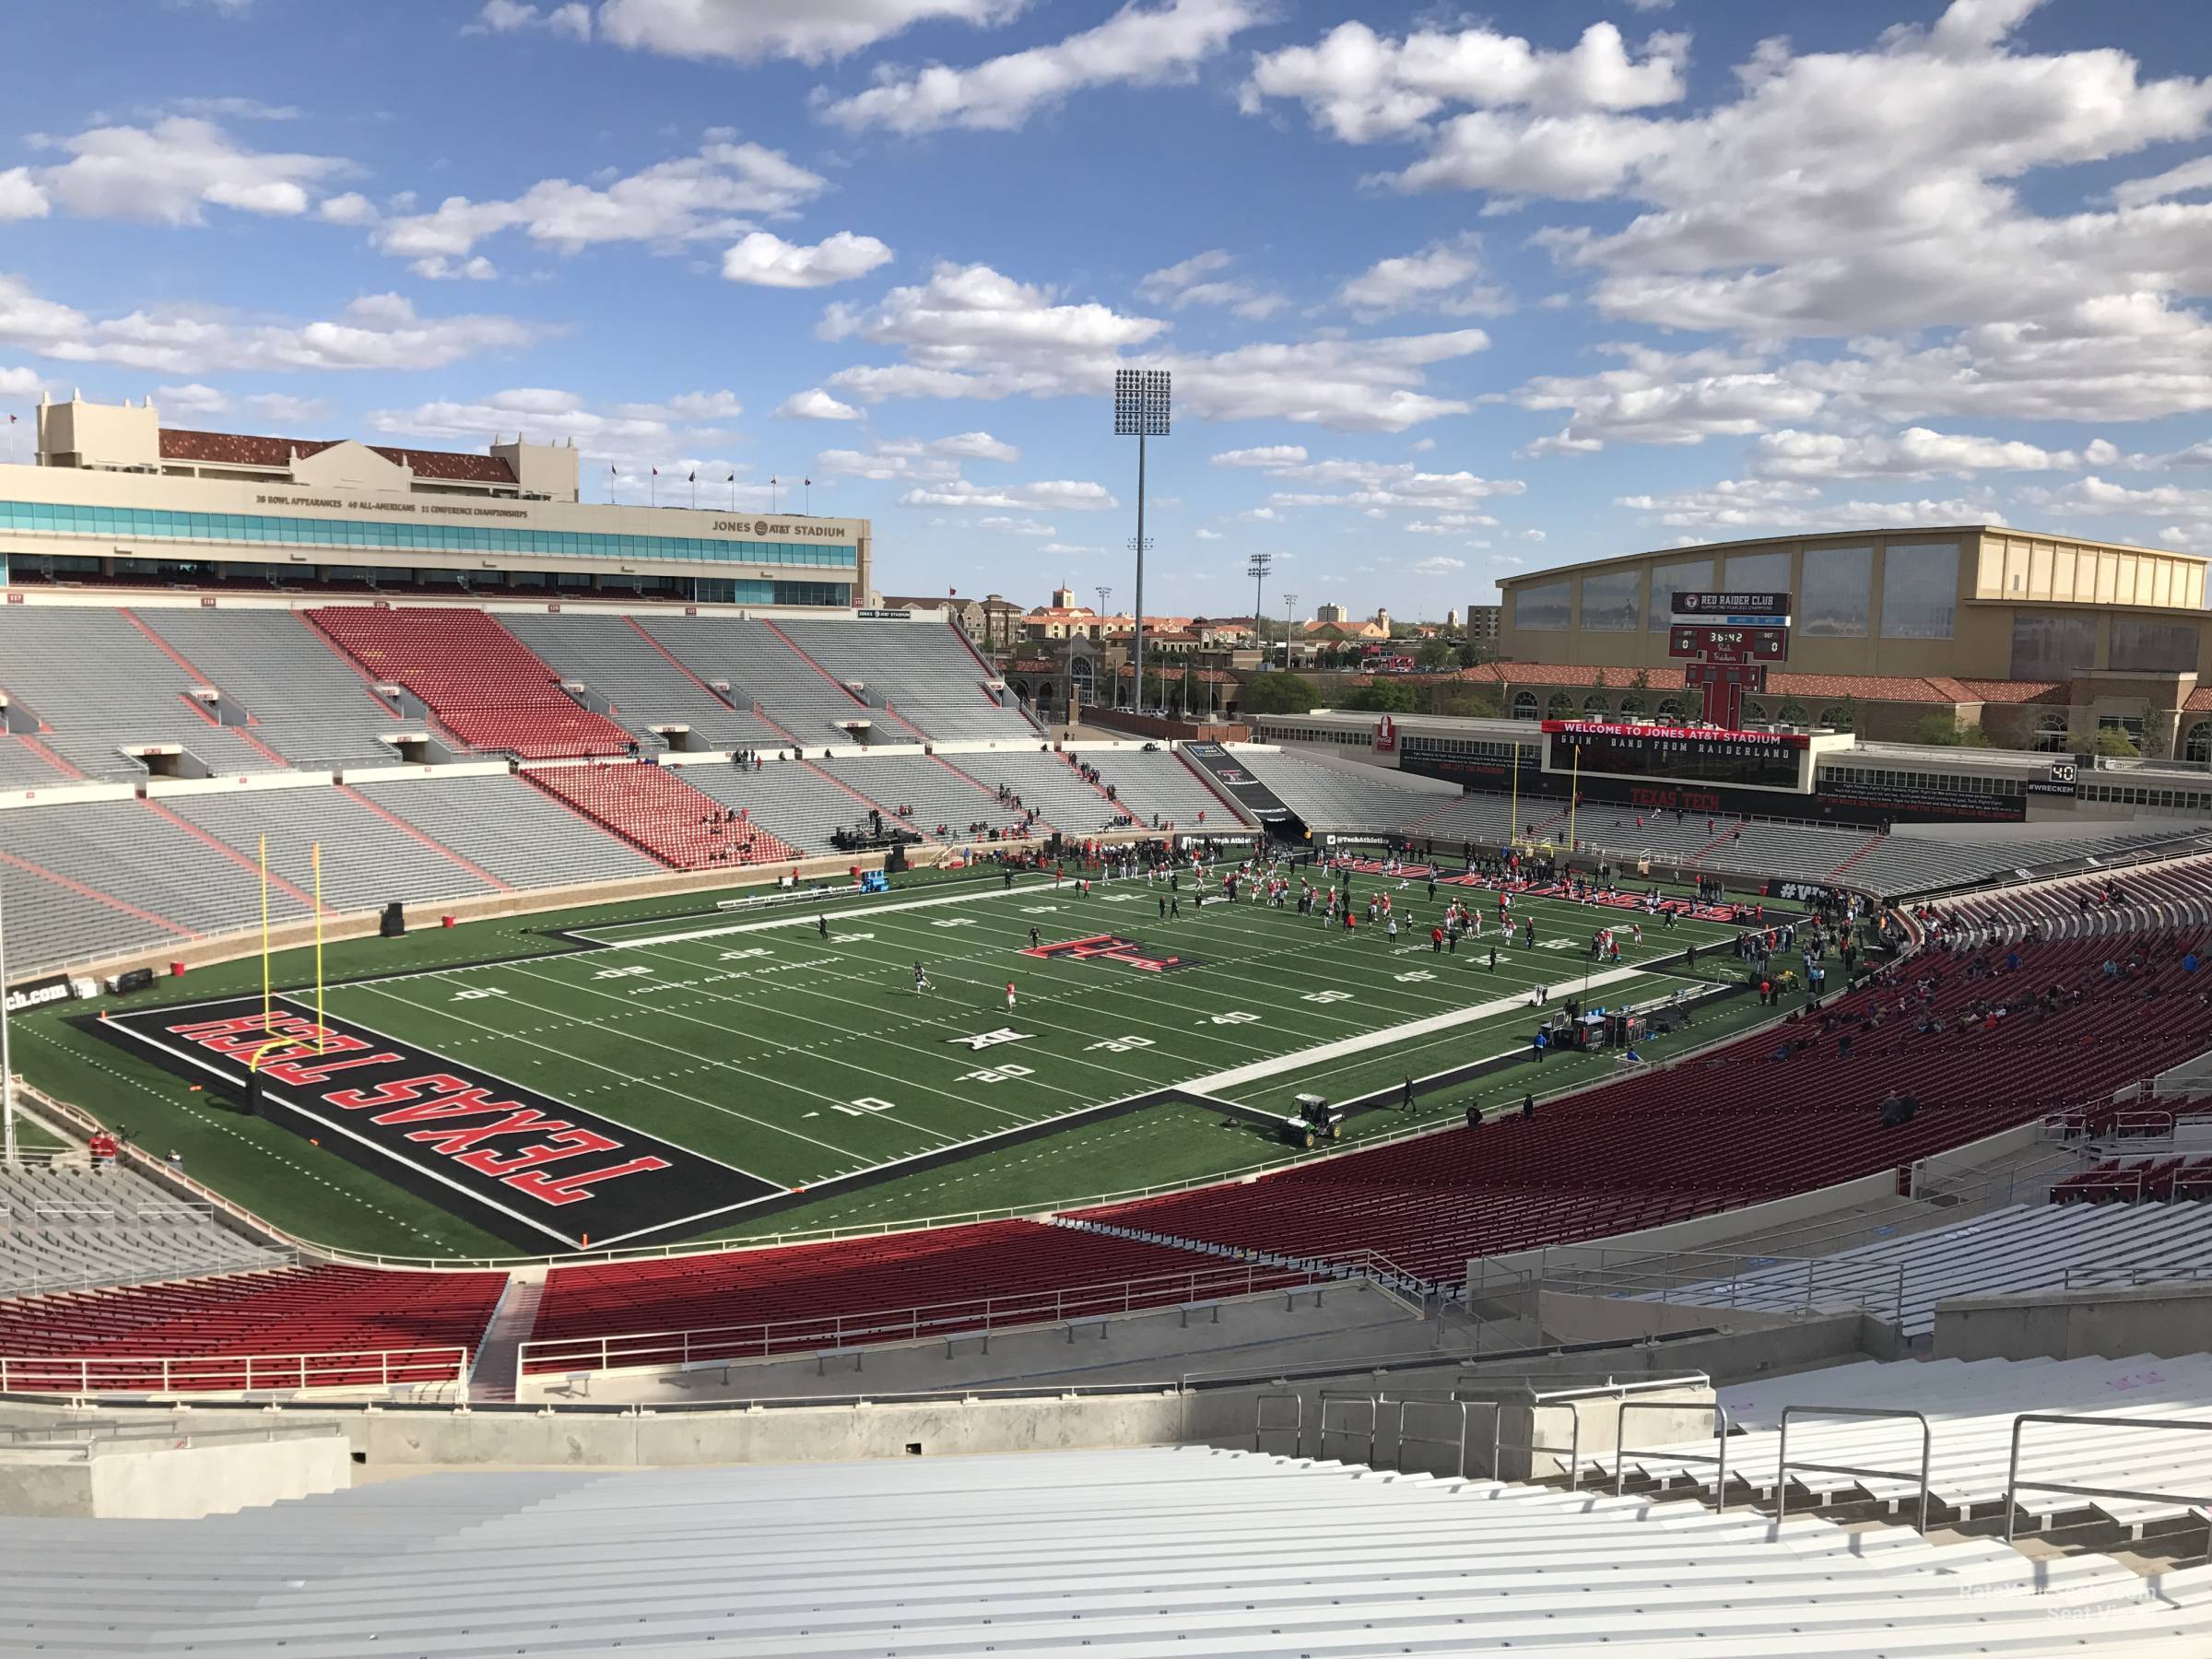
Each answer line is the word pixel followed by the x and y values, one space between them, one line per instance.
pixel 20 198
pixel 810 31
pixel 1067 495
pixel 969 332
pixel 1739 504
pixel 438 269
pixel 1140 44
pixel 1202 280
pixel 191 399
pixel 1916 452
pixel 1451 523
pixel 1014 527
pixel 1361 86
pixel 281 408
pixel 350 208
pixel 171 172
pixel 377 331
pixel 1260 515
pixel 1070 550
pixel 1445 277
pixel 1375 484
pixel 687 199
pixel 920 459
pixel 767 261
pixel 507 16
pixel 1439 565
pixel 815 404
pixel 1663 398
pixel 1206 535
pixel 1271 455
pixel 2094 497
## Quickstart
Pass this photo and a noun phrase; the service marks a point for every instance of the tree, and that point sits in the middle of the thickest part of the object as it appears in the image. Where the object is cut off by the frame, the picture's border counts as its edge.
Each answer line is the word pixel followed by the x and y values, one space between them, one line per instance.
pixel 1278 693
pixel 1383 697
pixel 1640 679
pixel 2114 742
pixel 1467 700
pixel 1467 656
pixel 1946 731
pixel 1795 713
pixel 1433 654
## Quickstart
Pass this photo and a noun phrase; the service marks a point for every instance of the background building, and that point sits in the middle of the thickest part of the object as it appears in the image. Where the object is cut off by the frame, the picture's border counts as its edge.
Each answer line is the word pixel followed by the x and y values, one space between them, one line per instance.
pixel 2039 640
pixel 117 498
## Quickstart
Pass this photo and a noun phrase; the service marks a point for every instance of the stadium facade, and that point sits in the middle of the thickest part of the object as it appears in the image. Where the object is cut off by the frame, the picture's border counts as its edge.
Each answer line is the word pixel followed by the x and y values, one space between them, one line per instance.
pixel 116 498
pixel 2040 639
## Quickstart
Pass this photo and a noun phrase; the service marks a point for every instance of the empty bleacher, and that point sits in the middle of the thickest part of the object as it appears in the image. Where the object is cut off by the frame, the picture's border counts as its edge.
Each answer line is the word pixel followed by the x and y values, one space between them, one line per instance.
pixel 928 673
pixel 65 1226
pixel 510 830
pixel 22 767
pixel 1049 782
pixel 1343 798
pixel 98 682
pixel 2022 1247
pixel 481 682
pixel 1660 1146
pixel 1970 1405
pixel 652 808
pixel 802 1292
pixel 759 665
pixel 793 800
pixel 1161 789
pixel 368 860
pixel 92 879
pixel 1116 1554
pixel 623 664
pixel 114 1340
pixel 944 801
pixel 1907 864
pixel 306 703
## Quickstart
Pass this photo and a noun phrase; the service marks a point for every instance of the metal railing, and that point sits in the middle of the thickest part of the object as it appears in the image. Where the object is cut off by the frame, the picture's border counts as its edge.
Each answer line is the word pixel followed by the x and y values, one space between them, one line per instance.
pixel 771 1339
pixel 193 1373
pixel 2200 1502
pixel 1459 1446
pixel 1349 1397
pixel 1782 1454
pixel 1719 1460
pixel 1296 1427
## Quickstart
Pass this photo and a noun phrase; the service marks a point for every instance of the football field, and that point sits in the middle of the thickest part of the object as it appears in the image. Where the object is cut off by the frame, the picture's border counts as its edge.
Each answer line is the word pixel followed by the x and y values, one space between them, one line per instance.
pixel 689 1075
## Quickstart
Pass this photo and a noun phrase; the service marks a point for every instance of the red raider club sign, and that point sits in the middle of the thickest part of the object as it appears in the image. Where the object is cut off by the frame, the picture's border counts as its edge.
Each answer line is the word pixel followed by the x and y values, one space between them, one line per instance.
pixel 513 1161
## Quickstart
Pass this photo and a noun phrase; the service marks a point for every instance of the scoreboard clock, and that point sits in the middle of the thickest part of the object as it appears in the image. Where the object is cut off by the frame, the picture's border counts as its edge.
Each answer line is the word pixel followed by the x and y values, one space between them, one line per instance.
pixel 1727 645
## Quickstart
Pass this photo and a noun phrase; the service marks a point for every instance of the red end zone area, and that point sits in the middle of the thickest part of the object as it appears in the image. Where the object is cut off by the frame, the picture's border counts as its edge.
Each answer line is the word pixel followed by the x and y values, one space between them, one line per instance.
pixel 1113 948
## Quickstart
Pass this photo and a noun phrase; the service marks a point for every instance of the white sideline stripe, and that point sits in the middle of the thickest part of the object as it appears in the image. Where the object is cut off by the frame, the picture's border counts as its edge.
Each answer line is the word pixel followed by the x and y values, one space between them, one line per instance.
pixel 806 919
pixel 1303 1058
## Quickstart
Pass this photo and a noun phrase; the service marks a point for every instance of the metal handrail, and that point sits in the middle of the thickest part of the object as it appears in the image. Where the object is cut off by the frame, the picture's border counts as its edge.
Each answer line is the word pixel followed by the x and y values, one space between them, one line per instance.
pixel 172 1374
pixel 2014 1485
pixel 765 1338
pixel 1782 1466
pixel 1373 1402
pixel 1296 1426
pixel 1720 1432
pixel 1405 1439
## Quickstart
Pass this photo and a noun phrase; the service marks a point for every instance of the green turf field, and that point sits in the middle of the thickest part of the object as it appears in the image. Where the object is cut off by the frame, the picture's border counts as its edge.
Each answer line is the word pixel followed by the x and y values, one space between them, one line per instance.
pixel 801 1060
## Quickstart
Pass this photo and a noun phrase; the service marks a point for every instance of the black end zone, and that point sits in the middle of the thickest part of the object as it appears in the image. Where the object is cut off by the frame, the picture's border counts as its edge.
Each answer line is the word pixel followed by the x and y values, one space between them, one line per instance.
pixel 526 1168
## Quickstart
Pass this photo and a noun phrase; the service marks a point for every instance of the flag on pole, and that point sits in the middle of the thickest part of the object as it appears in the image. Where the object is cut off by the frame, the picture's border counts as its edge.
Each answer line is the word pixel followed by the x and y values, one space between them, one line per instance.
pixel 657 472
pixel 694 479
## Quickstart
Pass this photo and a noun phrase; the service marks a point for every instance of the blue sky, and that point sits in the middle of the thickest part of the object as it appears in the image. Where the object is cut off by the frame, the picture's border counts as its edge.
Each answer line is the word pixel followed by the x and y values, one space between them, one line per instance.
pixel 1447 295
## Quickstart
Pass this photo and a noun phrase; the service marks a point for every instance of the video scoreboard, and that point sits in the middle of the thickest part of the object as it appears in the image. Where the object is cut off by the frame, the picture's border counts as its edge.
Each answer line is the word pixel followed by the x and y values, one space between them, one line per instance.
pixel 1678 754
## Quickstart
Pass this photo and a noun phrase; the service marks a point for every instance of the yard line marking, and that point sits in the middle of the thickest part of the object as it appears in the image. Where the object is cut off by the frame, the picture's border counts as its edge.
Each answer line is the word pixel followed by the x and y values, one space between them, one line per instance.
pixel 1238 1076
pixel 627 1078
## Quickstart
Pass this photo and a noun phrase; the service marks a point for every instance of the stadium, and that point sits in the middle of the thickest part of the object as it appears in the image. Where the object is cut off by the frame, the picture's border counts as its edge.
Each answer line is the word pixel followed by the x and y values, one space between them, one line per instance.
pixel 607 1018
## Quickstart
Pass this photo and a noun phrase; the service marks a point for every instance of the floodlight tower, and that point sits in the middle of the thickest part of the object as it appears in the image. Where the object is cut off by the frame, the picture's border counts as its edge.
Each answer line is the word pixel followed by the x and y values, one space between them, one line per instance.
pixel 1289 609
pixel 1257 568
pixel 1140 411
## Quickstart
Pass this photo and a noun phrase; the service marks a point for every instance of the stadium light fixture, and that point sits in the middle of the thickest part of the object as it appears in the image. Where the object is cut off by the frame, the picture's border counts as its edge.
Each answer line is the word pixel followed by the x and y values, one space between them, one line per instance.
pixel 1141 409
pixel 1257 568
pixel 1290 606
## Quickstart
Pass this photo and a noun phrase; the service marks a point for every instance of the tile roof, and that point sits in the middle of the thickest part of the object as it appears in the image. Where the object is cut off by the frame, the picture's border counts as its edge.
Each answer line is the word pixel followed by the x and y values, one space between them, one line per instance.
pixel 2020 691
pixel 240 449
